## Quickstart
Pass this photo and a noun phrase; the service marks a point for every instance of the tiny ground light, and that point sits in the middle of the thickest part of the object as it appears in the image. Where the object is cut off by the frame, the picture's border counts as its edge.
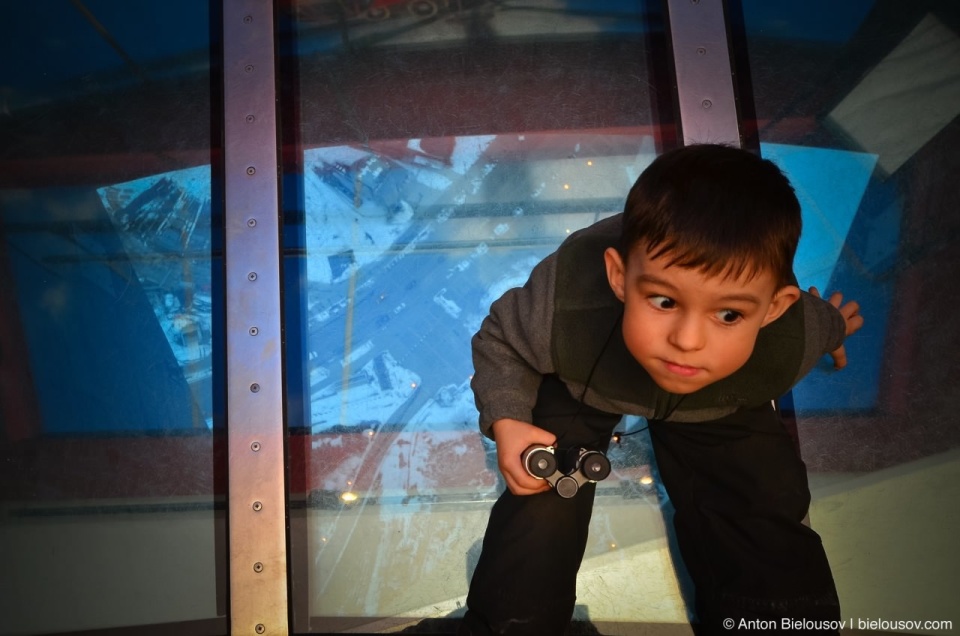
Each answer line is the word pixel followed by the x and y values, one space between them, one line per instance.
pixel 348 497
pixel 646 480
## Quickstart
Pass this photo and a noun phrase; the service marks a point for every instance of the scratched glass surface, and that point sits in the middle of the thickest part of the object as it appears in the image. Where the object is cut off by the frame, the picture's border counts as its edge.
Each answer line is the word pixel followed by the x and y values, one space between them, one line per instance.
pixel 442 149
pixel 110 347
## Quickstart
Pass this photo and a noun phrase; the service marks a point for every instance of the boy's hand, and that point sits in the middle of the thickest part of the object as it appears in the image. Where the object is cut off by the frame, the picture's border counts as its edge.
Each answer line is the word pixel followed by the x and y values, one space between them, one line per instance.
pixel 851 316
pixel 513 437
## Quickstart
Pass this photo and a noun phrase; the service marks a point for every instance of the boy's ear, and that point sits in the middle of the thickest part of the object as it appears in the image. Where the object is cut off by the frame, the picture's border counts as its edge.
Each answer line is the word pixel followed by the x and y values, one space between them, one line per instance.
pixel 616 273
pixel 782 300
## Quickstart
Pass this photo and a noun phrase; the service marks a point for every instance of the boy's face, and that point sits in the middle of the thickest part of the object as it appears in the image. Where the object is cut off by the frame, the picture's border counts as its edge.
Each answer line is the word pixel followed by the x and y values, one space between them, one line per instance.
pixel 687 329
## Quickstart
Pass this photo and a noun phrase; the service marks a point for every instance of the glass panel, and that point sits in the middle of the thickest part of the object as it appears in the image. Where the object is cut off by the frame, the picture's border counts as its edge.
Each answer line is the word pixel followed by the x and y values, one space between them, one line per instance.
pixel 111 373
pixel 861 107
pixel 434 152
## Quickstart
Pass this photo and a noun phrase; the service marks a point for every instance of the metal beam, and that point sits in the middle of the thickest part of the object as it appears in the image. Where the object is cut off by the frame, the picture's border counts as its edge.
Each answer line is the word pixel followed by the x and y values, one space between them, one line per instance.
pixel 707 101
pixel 258 557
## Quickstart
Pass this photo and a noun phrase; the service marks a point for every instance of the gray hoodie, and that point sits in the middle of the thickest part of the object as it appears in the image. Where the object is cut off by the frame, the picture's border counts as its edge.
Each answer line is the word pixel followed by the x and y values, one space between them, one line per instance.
pixel 566 320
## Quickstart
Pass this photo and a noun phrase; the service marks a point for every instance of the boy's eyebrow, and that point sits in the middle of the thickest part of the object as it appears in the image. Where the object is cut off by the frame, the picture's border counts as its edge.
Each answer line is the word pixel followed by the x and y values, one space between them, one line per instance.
pixel 746 298
pixel 743 298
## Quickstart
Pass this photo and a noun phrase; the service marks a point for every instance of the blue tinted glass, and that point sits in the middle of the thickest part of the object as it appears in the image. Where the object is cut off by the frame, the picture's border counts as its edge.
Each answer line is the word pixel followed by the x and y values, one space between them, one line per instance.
pixel 110 235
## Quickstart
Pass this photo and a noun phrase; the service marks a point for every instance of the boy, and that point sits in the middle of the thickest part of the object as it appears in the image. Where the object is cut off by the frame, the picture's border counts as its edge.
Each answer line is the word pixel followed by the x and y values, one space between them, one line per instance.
pixel 683 310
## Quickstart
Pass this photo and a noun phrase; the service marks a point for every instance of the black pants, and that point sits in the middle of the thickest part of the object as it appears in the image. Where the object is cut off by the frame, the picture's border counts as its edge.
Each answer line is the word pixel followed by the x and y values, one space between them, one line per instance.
pixel 740 494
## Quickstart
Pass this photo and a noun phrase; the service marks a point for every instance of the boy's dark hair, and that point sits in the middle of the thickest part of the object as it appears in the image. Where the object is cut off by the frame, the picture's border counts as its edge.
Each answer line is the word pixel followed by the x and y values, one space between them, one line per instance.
pixel 717 209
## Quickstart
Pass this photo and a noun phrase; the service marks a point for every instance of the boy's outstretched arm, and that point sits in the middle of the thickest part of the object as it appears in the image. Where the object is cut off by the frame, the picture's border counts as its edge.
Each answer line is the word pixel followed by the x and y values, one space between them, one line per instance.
pixel 851 318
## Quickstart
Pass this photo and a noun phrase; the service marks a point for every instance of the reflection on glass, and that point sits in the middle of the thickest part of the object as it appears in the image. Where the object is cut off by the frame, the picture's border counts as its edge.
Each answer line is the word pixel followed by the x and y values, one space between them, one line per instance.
pixel 163 224
pixel 830 185
pixel 110 344
pixel 402 265
pixel 404 259
pixel 445 148
pixel 863 108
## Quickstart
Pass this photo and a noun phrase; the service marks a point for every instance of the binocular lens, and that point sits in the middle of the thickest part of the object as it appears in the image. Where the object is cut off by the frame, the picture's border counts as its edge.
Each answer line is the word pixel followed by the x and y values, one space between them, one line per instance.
pixel 567 486
pixel 541 463
pixel 595 466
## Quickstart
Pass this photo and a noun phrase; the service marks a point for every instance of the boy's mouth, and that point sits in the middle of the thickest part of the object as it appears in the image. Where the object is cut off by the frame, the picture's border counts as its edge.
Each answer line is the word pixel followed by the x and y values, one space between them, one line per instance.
pixel 681 369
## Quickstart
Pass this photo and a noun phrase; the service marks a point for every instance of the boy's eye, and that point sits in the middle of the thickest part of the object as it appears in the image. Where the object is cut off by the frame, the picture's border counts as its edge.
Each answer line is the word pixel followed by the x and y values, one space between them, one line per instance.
pixel 663 302
pixel 729 316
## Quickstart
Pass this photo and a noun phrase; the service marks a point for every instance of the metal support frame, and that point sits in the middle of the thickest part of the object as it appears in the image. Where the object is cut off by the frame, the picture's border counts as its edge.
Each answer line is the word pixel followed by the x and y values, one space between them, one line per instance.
pixel 257 515
pixel 701 54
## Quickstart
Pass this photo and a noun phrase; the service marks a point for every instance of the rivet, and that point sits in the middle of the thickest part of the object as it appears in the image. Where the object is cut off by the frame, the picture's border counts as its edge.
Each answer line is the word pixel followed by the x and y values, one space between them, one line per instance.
pixel 255 446
pixel 252 276
pixel 701 50
pixel 258 567
pixel 251 223
pixel 706 103
pixel 260 628
pixel 248 68
pixel 254 388
pixel 251 171
pixel 257 506
pixel 251 119
pixel 254 331
pixel 247 19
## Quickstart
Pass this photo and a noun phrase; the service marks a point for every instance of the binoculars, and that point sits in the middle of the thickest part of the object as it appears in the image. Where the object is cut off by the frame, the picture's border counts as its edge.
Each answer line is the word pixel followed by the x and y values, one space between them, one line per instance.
pixel 565 469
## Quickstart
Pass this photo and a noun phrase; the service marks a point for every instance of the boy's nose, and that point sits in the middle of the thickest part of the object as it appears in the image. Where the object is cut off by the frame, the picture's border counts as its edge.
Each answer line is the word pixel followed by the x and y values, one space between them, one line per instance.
pixel 688 334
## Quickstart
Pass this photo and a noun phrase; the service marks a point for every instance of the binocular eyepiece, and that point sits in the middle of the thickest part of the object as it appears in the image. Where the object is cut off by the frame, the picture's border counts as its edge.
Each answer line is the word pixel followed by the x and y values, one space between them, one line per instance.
pixel 565 469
